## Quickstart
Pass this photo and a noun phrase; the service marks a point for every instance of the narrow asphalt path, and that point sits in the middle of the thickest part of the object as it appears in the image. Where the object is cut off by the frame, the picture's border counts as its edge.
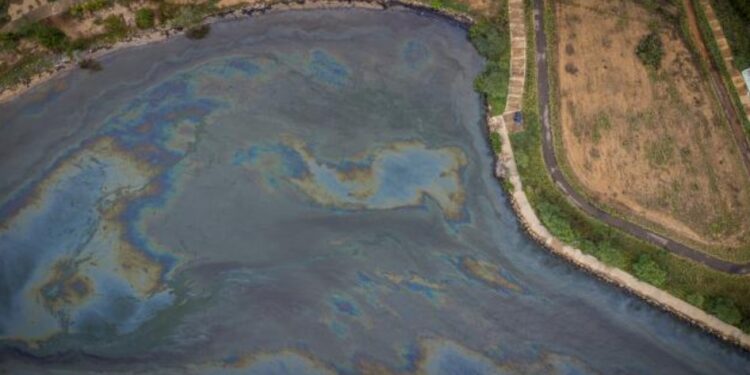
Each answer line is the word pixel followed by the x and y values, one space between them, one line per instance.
pixel 576 198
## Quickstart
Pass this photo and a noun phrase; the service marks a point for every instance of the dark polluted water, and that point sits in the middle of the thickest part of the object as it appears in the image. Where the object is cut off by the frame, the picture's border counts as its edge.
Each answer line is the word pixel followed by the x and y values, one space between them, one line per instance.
pixel 302 192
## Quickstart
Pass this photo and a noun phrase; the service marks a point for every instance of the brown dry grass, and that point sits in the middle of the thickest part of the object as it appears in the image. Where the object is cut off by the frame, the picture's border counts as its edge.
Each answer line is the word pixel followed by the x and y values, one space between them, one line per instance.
pixel 651 145
pixel 18 8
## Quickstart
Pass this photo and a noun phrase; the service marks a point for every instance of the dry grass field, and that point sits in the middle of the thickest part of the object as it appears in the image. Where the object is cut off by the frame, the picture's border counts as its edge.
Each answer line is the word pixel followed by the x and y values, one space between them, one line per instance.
pixel 649 144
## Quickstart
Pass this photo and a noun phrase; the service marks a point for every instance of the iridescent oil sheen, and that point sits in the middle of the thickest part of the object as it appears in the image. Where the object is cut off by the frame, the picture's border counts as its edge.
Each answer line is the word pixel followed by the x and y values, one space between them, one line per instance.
pixel 302 192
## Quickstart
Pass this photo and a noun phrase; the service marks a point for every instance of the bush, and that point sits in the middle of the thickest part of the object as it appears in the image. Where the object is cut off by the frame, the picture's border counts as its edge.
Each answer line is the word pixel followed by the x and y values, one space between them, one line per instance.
pixel 47 35
pixel 144 18
pixel 649 271
pixel 52 38
pixel 188 16
pixel 90 64
pixel 4 17
pixel 199 32
pixel 610 255
pixel 650 50
pixel 557 222
pixel 90 6
pixel 493 84
pixel 496 143
pixel 696 299
pixel 115 27
pixel 450 4
pixel 9 41
pixel 490 38
pixel 23 70
pixel 726 310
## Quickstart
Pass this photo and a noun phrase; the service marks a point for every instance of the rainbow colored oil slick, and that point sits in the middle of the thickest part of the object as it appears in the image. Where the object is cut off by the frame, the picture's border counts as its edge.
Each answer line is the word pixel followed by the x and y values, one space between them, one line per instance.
pixel 298 193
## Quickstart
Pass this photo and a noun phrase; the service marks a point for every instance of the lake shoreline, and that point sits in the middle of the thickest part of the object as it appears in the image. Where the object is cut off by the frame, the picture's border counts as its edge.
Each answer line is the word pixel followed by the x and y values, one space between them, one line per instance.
pixel 67 64
pixel 650 294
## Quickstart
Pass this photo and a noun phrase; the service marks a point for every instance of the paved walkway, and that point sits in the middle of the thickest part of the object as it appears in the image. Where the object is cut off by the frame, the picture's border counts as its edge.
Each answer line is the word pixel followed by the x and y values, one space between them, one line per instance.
pixel 533 225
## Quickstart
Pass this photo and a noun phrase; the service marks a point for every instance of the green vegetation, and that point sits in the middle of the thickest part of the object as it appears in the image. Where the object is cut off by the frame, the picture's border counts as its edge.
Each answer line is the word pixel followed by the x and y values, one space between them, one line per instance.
pixel 87 7
pixel 48 36
pixel 734 16
pixel 450 5
pixel 726 310
pixel 185 16
pixel 9 41
pixel 21 71
pixel 491 38
pixel 115 28
pixel 713 48
pixel 649 271
pixel 718 291
pixel 4 16
pixel 650 50
pixel 495 142
pixel 144 18
pixel 198 32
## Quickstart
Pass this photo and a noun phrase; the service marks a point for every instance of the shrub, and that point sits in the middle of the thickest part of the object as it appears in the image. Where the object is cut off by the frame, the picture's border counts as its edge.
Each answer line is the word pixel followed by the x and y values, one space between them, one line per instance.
pixel 489 38
pixel 23 70
pixel 726 310
pixel 4 17
pixel 188 16
pixel 492 40
pixel 696 299
pixel 557 222
pixel 493 84
pixel 144 18
pixel 167 11
pixel 52 38
pixel 199 32
pixel 610 255
pixel 650 50
pixel 47 35
pixel 9 41
pixel 649 271
pixel 90 64
pixel 496 143
pixel 115 27
pixel 449 4
pixel 89 6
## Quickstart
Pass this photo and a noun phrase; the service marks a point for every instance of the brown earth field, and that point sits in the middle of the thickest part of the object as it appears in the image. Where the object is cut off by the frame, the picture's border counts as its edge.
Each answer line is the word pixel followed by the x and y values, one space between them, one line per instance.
pixel 650 145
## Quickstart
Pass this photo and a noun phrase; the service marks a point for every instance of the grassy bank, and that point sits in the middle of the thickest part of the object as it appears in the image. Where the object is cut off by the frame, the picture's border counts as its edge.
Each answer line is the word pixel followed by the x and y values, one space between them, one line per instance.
pixel 713 49
pixel 734 16
pixel 723 295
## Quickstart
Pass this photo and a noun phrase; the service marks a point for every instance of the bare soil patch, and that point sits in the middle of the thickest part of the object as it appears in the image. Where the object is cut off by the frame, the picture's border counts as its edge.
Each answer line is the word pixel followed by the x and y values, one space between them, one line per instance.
pixel 649 144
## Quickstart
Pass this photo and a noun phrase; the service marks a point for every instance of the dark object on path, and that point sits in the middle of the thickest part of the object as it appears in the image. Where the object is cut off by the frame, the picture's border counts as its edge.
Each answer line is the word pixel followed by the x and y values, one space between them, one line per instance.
pixel 518 118
pixel 198 32
pixel 90 64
